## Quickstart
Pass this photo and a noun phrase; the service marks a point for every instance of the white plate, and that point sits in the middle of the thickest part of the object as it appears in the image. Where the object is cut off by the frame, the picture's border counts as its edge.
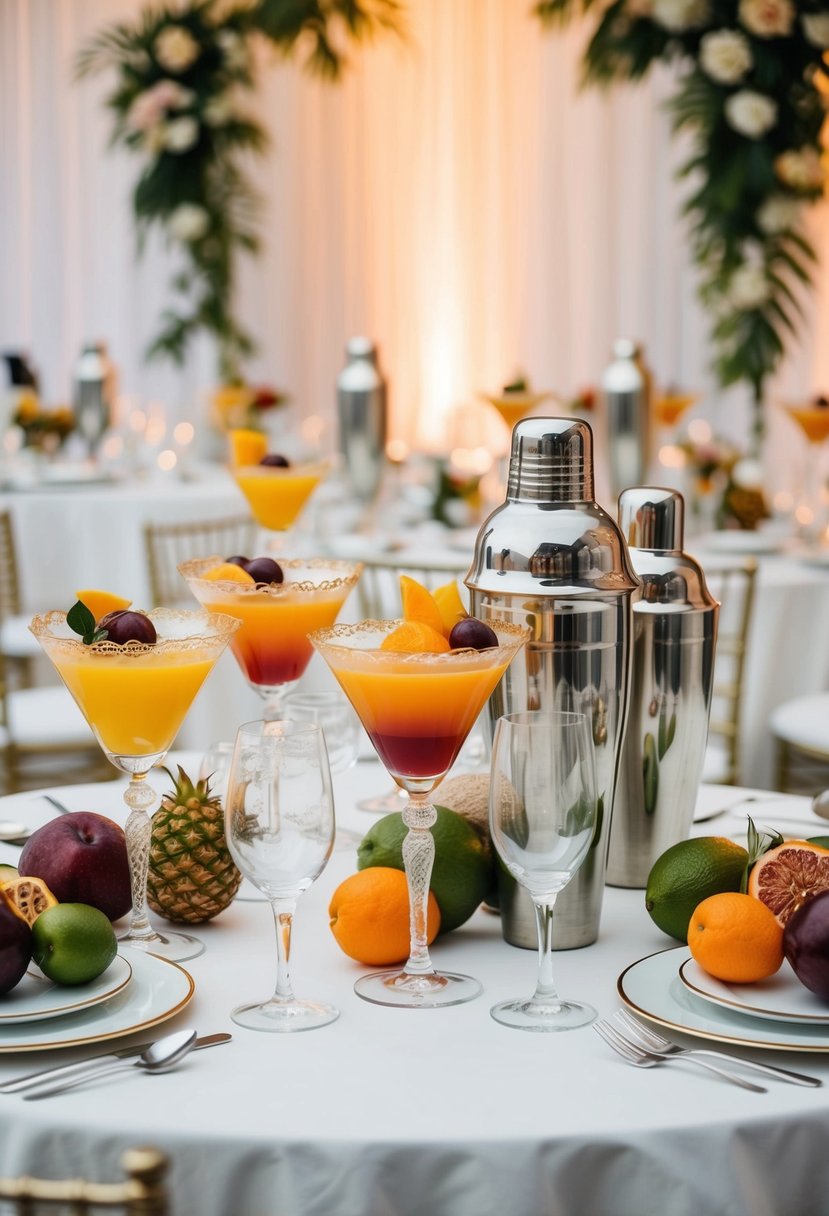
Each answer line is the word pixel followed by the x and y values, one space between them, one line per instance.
pixel 652 987
pixel 35 999
pixel 780 998
pixel 158 990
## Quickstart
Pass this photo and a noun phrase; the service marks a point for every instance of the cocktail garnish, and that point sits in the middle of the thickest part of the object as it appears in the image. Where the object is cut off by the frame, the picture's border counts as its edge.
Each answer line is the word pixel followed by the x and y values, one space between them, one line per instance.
pixel 81 621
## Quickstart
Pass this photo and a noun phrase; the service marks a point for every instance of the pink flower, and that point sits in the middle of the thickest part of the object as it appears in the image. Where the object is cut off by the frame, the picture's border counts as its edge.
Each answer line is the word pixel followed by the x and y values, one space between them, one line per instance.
pixel 767 18
pixel 149 108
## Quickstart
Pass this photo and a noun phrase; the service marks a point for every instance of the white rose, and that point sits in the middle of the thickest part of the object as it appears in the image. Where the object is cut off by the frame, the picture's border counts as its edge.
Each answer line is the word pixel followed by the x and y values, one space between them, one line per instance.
pixel 800 168
pixel 816 29
pixel 679 15
pixel 181 134
pixel 725 56
pixel 779 213
pixel 219 110
pixel 748 288
pixel 233 48
pixel 767 18
pixel 189 222
pixel 751 114
pixel 175 48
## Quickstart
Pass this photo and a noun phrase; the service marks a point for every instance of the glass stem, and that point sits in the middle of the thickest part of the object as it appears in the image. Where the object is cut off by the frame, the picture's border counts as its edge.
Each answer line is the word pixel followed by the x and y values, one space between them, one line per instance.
pixel 545 989
pixel 418 858
pixel 283 919
pixel 139 797
pixel 274 703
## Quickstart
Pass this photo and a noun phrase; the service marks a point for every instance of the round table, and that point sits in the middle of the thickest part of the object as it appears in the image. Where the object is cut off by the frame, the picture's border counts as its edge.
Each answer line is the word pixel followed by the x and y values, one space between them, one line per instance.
pixel 409 1112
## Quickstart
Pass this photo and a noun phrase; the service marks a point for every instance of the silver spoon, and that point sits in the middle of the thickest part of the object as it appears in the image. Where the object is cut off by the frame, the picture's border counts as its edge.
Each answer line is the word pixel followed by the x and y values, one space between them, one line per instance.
pixel 12 832
pixel 163 1054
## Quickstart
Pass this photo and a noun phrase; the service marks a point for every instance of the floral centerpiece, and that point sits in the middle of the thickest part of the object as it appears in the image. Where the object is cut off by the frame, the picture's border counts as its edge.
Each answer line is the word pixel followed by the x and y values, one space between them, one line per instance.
pixel 42 428
pixel 245 405
pixel 751 93
pixel 182 103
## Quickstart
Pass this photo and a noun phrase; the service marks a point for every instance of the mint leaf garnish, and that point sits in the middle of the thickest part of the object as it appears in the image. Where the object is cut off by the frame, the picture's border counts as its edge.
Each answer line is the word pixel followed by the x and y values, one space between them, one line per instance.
pixel 81 621
pixel 758 842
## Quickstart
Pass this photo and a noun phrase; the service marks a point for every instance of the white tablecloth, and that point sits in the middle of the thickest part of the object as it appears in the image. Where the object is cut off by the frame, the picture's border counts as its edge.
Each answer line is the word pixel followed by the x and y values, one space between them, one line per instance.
pixel 405 1112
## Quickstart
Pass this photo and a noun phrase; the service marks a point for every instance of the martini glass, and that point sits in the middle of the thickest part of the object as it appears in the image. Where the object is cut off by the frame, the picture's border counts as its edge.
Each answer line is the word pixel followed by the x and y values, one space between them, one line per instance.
pixel 272 646
pixel 275 494
pixel 813 420
pixel 135 698
pixel 417 710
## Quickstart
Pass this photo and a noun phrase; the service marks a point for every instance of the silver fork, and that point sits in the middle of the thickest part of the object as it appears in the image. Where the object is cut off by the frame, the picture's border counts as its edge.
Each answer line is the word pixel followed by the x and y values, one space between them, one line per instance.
pixel 640 1058
pixel 656 1043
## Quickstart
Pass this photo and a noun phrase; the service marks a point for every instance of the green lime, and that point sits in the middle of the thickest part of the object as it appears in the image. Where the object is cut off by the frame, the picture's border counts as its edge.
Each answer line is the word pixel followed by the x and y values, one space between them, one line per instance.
pixel 823 841
pixel 462 873
pixel 686 874
pixel 7 873
pixel 73 943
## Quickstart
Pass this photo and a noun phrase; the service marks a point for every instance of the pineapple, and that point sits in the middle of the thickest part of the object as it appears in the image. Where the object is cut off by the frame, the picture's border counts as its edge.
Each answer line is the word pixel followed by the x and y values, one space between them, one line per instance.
pixel 191 876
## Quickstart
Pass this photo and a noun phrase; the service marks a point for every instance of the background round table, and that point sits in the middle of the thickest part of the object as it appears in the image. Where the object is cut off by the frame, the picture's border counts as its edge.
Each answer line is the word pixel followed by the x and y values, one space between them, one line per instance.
pixel 406 1112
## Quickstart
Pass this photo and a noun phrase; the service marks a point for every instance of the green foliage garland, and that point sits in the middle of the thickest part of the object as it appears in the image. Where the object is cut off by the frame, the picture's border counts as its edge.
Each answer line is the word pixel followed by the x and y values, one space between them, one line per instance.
pixel 752 94
pixel 184 77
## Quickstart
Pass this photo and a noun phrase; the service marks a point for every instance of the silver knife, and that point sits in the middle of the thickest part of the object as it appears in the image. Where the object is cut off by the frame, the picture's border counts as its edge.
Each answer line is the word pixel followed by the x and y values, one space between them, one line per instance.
pixel 33 1079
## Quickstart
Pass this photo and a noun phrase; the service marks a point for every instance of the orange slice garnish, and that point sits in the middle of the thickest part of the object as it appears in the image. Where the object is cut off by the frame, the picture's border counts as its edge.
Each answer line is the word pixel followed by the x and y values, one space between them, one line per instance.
pixel 450 605
pixel 419 604
pixel 246 447
pixel 100 603
pixel 29 897
pixel 415 637
pixel 228 572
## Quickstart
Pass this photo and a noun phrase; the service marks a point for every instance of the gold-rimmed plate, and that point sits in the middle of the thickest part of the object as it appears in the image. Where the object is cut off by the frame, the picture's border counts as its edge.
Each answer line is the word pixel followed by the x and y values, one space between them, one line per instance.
pixel 780 998
pixel 652 988
pixel 37 999
pixel 157 991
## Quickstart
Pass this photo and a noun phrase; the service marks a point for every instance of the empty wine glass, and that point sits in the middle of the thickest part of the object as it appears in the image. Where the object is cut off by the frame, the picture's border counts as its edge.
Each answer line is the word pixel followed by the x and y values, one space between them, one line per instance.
pixel 542 814
pixel 332 711
pixel 279 825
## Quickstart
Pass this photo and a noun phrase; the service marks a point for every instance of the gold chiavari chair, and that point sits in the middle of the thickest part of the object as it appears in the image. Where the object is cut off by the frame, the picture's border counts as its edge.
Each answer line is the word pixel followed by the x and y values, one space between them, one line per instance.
pixel 733 582
pixel 143 1192
pixel 167 545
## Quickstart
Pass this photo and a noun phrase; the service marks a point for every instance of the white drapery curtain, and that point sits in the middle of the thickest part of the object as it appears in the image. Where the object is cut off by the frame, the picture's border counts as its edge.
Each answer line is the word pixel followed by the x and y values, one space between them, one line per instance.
pixel 455 197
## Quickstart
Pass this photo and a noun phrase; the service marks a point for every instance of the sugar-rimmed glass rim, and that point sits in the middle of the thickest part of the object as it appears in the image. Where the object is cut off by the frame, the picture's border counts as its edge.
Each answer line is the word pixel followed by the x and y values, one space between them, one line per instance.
pixel 345 575
pixel 221 625
pixel 301 468
pixel 335 641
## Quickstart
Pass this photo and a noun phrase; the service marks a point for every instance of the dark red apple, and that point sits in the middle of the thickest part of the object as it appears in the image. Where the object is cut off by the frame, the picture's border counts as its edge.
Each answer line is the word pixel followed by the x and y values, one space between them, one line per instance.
pixel 806 944
pixel 123 627
pixel 15 946
pixel 82 858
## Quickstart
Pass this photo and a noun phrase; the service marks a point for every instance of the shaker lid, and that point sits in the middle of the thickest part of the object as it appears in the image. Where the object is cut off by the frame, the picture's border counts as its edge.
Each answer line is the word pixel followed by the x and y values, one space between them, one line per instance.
pixel 551 460
pixel 360 348
pixel 652 520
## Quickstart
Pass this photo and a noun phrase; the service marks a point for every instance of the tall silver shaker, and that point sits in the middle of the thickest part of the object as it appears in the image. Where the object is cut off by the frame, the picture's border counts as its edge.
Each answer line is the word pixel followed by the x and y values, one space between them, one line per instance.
pixel 551 558
pixel 674 639
pixel 362 409
pixel 91 403
pixel 625 392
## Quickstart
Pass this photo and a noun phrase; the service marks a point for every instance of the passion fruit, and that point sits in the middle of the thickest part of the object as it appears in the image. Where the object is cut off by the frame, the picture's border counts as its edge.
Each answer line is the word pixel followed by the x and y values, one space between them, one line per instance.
pixel 124 626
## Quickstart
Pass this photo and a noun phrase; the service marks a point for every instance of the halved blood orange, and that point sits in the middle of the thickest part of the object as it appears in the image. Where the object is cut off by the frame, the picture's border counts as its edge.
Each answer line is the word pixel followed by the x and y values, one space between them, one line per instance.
pixel 29 897
pixel 785 877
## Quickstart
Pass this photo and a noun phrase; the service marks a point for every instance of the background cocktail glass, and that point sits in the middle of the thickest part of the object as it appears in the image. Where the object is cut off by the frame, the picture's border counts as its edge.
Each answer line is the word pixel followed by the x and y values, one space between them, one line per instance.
pixel 813 421
pixel 135 698
pixel 272 646
pixel 275 495
pixel 542 816
pixel 279 826
pixel 417 710
pixel 669 408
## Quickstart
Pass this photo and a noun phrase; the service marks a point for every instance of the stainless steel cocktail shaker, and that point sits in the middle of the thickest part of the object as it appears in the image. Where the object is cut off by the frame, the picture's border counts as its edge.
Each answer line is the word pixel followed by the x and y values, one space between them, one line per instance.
pixel 551 558
pixel 362 410
pixel 674 638
pixel 625 392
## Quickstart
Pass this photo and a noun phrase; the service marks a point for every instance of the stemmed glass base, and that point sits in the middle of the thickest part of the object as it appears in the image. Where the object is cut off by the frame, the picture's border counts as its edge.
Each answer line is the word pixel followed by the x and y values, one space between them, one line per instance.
pixel 282 1016
pixel 543 1015
pixel 139 797
pixel 413 991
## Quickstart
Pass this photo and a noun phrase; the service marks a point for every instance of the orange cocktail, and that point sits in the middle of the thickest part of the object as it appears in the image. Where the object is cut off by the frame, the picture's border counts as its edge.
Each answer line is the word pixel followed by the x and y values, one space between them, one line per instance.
pixel 813 420
pixel 417 709
pixel 135 696
pixel 276 492
pixel 271 645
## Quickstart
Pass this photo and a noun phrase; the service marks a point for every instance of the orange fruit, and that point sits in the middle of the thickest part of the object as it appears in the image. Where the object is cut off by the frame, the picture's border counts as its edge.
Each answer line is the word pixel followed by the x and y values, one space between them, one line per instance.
pixel 735 938
pixel 785 877
pixel 369 914
pixel 450 605
pixel 415 637
pixel 246 447
pixel 228 572
pixel 100 603
pixel 29 897
pixel 419 604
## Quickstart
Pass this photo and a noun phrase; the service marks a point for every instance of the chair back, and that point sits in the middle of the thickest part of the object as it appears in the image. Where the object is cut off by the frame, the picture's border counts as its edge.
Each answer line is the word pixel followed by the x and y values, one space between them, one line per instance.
pixel 9 584
pixel 167 545
pixel 378 591
pixel 733 582
pixel 142 1193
